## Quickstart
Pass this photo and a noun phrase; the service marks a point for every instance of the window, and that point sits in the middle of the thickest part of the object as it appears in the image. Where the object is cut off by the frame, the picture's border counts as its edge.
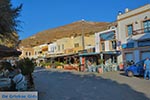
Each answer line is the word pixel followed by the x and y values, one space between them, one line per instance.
pixel 35 53
pixel 40 52
pixel 130 45
pixel 52 49
pixel 62 46
pixel 107 36
pixel 29 53
pixel 58 47
pixel 76 45
pixel 26 53
pixel 146 25
pixel 114 44
pixel 129 30
pixel 103 46
pixel 144 43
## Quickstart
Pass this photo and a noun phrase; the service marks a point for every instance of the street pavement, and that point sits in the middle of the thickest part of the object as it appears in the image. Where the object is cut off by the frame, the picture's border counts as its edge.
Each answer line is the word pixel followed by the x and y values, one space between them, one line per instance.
pixel 53 84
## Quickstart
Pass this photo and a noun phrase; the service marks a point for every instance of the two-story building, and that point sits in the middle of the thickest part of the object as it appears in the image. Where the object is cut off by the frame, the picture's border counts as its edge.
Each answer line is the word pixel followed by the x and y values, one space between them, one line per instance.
pixel 134 33
pixel 106 44
pixel 52 48
pixel 37 52
pixel 27 52
pixel 64 45
pixel 89 43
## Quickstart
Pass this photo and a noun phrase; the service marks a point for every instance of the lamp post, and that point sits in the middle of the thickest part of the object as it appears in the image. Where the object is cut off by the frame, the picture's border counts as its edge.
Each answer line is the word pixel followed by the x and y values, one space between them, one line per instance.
pixel 83 45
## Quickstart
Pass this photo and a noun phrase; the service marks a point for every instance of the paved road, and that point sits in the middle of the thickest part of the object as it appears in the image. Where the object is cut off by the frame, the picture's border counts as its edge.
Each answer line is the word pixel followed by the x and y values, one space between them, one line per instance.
pixel 64 85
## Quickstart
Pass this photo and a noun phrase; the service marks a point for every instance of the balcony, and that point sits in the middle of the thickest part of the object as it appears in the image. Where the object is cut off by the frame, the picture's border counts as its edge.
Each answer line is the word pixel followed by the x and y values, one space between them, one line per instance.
pixel 140 35
pixel 141 31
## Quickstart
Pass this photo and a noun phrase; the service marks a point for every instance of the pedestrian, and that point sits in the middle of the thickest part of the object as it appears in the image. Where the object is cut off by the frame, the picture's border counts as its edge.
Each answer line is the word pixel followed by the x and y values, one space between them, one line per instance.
pixel 147 68
pixel 89 65
pixel 18 82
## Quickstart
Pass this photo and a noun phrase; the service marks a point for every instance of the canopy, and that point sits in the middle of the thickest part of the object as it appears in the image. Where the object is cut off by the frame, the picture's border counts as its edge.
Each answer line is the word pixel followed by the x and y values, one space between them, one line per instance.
pixel 98 53
pixel 8 52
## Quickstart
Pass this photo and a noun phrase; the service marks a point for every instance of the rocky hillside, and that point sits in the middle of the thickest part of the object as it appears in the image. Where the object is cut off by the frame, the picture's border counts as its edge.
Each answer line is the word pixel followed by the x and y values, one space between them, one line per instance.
pixel 73 29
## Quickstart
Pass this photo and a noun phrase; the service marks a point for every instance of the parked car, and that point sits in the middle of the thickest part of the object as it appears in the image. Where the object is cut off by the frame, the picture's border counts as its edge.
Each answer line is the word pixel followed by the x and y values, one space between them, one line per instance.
pixel 135 69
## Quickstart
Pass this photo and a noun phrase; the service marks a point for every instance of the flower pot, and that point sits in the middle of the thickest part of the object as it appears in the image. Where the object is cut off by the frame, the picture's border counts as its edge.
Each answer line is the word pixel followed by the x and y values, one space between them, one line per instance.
pixel 59 67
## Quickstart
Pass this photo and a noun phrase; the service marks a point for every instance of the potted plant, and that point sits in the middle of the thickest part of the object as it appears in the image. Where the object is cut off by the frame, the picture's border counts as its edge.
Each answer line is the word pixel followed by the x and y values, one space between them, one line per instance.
pixel 59 65
pixel 46 64
pixel 27 67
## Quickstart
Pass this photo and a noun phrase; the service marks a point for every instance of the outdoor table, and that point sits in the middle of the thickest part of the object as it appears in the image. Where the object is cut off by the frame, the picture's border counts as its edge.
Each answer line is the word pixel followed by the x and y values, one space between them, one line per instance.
pixel 5 83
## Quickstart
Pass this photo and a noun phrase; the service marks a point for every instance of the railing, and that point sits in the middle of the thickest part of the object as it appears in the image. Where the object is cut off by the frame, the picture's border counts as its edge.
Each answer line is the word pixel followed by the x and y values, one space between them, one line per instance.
pixel 109 67
pixel 141 31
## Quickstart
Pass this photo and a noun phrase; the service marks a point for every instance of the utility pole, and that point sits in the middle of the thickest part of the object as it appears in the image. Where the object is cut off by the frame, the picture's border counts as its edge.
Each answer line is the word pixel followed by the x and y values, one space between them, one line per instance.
pixel 83 45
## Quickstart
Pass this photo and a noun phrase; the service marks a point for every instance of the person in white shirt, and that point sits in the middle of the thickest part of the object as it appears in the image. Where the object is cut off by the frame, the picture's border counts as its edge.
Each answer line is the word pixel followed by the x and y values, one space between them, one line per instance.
pixel 19 81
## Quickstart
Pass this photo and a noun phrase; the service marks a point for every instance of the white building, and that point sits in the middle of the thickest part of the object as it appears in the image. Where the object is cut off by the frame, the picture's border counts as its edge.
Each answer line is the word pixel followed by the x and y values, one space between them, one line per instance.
pixel 106 44
pixel 52 48
pixel 134 33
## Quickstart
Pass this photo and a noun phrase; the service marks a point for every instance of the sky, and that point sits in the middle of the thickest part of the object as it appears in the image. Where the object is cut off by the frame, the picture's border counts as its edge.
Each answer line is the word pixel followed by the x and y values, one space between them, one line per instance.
pixel 40 15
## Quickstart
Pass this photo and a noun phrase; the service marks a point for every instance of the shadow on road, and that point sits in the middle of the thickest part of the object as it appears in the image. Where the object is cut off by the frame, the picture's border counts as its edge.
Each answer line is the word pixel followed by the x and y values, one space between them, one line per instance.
pixel 59 85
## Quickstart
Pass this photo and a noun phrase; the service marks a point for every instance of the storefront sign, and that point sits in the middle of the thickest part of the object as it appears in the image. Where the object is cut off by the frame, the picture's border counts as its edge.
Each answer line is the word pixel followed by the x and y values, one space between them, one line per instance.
pixel 18 96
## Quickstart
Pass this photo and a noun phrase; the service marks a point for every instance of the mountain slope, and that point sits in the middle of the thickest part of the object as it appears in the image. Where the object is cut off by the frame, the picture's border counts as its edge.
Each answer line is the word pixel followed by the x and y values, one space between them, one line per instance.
pixel 73 29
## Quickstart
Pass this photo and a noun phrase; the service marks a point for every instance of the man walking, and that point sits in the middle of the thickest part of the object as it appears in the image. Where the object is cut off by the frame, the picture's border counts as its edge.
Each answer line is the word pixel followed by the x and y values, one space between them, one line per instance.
pixel 147 68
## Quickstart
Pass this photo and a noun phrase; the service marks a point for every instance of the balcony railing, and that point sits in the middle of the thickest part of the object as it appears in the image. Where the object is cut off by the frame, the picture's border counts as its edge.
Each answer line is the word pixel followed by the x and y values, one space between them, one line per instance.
pixel 141 31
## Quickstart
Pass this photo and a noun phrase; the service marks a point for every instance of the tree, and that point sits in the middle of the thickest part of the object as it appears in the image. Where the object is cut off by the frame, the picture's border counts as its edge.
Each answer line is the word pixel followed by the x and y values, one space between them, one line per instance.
pixel 9 21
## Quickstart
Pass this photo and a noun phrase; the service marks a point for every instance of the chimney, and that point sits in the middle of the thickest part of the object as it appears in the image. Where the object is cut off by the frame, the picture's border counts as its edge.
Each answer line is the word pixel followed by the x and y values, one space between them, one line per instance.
pixel 126 10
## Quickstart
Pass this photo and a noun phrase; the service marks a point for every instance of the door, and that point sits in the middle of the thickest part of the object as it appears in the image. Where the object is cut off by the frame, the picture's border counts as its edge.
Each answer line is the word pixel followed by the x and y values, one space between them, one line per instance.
pixel 129 56
pixel 145 54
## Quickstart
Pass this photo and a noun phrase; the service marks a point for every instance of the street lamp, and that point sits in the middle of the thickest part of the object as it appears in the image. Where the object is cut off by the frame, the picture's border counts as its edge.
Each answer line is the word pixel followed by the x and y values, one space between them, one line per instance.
pixel 83 45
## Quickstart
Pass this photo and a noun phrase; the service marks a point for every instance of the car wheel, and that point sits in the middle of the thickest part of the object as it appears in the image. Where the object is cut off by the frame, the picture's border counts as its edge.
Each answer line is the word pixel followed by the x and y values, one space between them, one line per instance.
pixel 130 73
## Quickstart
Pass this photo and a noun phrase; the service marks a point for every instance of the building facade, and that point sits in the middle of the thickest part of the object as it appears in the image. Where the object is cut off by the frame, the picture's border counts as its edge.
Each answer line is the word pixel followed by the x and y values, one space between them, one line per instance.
pixel 106 44
pixel 52 48
pixel 27 52
pixel 134 33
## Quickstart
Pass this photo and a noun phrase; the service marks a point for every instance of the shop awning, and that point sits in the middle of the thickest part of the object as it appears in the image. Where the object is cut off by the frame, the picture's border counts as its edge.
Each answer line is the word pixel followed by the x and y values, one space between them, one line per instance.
pixel 62 55
pixel 140 37
pixel 104 52
pixel 111 52
pixel 89 54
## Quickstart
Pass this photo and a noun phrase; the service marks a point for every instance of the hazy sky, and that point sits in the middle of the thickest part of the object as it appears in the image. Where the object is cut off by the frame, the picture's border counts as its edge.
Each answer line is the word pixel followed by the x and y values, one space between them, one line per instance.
pixel 39 15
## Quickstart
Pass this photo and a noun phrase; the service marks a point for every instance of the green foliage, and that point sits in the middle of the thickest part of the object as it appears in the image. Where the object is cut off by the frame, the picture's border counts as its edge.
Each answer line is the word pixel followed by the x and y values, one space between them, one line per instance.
pixel 26 65
pixel 45 63
pixel 8 16
pixel 58 63
pixel 9 21
pixel 65 62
